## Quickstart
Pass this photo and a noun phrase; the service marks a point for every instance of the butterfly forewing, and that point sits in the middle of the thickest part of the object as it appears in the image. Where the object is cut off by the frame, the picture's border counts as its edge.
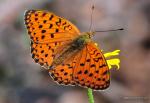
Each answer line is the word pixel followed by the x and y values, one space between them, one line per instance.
pixel 47 32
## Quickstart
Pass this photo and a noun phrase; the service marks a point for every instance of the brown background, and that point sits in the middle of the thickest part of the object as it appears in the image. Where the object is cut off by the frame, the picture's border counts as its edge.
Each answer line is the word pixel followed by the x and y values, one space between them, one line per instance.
pixel 23 81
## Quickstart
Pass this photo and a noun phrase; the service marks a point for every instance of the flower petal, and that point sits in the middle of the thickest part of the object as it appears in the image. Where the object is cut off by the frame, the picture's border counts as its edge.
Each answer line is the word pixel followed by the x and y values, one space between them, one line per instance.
pixel 114 61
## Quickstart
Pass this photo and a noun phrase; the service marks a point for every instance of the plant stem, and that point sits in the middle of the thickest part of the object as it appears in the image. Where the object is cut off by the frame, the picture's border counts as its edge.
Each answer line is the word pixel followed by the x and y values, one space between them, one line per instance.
pixel 90 95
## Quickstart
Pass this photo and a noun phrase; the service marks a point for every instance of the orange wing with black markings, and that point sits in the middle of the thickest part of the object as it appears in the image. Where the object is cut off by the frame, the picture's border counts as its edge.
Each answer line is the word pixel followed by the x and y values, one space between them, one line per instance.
pixel 88 68
pixel 50 35
pixel 47 32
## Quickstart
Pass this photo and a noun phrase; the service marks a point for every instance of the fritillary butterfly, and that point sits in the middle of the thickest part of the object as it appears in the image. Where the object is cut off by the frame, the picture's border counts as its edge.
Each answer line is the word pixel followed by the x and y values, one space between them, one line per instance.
pixel 71 57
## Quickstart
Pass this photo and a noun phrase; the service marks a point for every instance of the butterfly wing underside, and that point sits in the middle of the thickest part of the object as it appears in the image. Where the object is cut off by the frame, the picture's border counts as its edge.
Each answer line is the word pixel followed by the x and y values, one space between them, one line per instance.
pixel 88 68
pixel 47 32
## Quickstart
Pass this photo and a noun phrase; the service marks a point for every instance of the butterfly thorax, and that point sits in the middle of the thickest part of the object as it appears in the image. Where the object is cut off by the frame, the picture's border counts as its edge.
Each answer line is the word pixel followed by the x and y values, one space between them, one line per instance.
pixel 72 49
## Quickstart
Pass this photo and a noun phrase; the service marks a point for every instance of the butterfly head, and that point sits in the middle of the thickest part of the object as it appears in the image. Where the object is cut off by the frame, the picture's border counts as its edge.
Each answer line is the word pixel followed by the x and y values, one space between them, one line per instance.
pixel 84 38
pixel 90 34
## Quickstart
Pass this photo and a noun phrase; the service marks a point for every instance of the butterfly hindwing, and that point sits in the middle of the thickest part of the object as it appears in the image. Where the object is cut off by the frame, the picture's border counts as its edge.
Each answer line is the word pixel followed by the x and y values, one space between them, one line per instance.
pixel 92 70
pixel 63 73
pixel 88 68
pixel 99 70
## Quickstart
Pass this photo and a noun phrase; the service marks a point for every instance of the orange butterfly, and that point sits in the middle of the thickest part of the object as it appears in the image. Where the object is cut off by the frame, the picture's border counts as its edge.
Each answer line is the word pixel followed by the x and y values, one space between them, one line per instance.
pixel 71 57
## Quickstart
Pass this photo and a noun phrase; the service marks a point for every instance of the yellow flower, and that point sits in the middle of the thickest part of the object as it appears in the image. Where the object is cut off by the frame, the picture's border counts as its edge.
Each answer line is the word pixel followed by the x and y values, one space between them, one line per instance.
pixel 112 61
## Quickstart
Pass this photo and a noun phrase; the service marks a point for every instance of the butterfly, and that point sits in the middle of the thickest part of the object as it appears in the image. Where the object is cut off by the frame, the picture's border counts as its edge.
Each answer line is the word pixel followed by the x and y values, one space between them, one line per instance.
pixel 71 57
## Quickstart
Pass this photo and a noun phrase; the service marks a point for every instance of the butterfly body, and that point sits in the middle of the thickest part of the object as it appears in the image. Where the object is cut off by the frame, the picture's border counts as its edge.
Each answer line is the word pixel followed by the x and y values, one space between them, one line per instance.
pixel 71 57
pixel 75 46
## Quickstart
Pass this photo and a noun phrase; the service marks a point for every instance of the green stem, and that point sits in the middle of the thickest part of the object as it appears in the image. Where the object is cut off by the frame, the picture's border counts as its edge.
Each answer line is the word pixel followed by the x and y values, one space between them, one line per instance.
pixel 90 95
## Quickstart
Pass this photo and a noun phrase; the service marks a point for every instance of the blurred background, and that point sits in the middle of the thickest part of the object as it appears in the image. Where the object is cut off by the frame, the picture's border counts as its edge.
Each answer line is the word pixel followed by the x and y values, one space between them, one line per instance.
pixel 23 81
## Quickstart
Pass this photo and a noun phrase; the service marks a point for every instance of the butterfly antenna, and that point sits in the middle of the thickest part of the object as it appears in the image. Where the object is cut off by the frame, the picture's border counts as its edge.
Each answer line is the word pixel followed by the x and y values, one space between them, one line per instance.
pixel 91 18
pixel 109 30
